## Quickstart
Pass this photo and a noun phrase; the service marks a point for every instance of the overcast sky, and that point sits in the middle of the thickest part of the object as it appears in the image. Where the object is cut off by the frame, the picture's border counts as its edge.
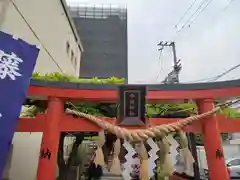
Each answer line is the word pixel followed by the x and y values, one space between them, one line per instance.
pixel 207 48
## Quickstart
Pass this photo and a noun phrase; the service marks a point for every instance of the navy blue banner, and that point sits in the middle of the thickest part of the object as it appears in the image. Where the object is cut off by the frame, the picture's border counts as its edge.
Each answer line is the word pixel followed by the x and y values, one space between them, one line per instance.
pixel 17 62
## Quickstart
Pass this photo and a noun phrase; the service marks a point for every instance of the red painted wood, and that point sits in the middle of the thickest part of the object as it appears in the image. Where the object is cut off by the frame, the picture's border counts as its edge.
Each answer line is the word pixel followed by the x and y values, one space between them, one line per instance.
pixel 174 177
pixel 50 140
pixel 193 94
pixel 35 124
pixel 112 95
pixel 212 142
pixel 71 124
pixel 55 121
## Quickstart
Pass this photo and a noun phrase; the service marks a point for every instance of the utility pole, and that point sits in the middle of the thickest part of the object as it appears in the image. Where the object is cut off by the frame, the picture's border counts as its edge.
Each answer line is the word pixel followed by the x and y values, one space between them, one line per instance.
pixel 173 78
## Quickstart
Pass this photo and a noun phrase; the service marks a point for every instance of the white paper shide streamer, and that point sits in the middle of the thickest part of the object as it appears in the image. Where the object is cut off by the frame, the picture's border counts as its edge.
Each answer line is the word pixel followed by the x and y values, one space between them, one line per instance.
pixel 127 166
pixel 153 156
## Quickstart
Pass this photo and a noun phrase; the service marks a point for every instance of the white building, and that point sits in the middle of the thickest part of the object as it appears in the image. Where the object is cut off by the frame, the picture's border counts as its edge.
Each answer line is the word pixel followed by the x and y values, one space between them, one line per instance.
pixel 47 24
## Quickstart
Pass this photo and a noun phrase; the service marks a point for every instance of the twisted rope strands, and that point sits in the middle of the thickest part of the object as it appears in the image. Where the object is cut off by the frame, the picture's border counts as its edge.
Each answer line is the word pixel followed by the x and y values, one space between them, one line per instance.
pixel 144 134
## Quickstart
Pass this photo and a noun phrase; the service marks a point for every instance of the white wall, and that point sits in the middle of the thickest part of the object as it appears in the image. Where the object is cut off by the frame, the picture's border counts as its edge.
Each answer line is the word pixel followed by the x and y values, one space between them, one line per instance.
pixel 23 160
pixel 23 163
pixel 52 28
pixel 51 25
pixel 26 150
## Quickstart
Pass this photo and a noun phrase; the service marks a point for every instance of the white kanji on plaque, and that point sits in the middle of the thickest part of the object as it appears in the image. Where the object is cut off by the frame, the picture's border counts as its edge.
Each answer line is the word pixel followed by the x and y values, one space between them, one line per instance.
pixel 9 65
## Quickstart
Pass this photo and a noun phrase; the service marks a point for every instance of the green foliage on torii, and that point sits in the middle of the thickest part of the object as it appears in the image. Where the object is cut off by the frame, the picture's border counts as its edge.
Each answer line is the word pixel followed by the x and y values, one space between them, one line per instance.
pixel 110 110
pixel 95 109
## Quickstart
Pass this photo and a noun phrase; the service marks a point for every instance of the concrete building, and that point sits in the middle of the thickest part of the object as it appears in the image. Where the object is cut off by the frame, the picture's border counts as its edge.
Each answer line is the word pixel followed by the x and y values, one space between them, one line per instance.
pixel 47 24
pixel 103 31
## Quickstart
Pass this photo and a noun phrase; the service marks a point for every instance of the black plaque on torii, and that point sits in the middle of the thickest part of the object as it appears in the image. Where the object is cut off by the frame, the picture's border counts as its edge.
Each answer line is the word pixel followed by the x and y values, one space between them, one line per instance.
pixel 132 107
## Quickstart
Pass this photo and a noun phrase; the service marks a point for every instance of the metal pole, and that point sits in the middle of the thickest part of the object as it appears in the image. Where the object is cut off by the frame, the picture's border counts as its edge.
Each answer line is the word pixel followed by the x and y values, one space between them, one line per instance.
pixel 190 136
pixel 176 68
pixel 193 148
pixel 169 80
pixel 172 77
pixel 174 53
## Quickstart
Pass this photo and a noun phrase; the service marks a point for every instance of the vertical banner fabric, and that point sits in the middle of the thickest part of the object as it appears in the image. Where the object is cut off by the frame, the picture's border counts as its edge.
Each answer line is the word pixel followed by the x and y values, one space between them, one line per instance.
pixel 17 62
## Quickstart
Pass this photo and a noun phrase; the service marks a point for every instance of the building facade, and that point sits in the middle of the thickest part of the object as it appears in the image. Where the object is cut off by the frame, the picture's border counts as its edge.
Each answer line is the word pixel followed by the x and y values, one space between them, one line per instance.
pixel 103 31
pixel 48 24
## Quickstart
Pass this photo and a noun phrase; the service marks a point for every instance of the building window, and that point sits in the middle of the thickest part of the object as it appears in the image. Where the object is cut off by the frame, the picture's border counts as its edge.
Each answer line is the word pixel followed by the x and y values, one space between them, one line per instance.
pixel 67 47
pixel 72 56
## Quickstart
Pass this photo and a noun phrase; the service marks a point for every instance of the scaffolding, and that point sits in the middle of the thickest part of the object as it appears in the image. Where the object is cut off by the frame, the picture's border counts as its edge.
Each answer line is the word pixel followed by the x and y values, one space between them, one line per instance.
pixel 102 11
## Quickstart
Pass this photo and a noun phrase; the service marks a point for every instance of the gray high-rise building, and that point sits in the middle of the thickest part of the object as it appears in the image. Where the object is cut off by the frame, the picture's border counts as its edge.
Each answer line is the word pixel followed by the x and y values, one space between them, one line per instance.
pixel 103 32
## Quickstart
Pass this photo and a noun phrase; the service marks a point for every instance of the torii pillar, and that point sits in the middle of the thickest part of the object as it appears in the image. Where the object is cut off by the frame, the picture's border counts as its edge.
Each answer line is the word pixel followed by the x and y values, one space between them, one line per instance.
pixel 49 148
pixel 212 142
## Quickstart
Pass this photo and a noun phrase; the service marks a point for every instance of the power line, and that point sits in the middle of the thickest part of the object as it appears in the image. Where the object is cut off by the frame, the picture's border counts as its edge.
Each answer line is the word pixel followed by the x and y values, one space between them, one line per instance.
pixel 214 78
pixel 205 7
pixel 226 72
pixel 200 80
pixel 227 6
pixel 197 10
pixel 188 9
pixel 173 76
pixel 35 34
pixel 224 9
pixel 160 56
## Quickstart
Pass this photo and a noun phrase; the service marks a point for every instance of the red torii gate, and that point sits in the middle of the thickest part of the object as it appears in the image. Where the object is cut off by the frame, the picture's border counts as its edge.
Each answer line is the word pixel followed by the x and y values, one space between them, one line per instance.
pixel 56 121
